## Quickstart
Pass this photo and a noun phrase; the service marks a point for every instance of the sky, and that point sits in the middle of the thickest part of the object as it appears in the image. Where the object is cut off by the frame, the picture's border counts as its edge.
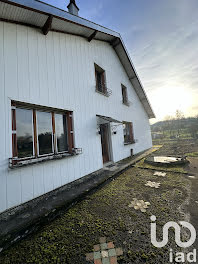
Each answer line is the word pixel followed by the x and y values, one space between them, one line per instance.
pixel 162 39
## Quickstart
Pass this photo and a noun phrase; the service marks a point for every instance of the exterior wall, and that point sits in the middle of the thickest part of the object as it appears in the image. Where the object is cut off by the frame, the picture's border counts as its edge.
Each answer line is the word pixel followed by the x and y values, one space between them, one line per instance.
pixel 57 70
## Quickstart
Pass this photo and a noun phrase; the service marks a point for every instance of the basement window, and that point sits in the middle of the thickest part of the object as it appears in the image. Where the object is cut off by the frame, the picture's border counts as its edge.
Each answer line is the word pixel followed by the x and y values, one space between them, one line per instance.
pixel 39 132
pixel 128 133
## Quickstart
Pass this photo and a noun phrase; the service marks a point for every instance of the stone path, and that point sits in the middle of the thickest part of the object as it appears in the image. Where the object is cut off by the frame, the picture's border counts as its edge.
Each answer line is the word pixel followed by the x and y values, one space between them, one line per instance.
pixel 104 253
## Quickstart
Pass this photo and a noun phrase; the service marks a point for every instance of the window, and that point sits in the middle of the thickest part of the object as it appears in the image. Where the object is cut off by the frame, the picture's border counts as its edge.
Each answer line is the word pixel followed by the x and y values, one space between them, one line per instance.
pixel 61 132
pixel 128 133
pixel 100 80
pixel 24 135
pixel 44 126
pixel 39 131
pixel 124 95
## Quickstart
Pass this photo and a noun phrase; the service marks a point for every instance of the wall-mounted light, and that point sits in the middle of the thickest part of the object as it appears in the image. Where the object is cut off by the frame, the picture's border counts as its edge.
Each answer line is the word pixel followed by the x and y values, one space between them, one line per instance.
pixel 114 130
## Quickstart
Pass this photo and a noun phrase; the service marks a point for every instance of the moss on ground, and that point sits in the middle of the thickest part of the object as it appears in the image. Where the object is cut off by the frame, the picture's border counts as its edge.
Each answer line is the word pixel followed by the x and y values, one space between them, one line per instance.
pixel 106 213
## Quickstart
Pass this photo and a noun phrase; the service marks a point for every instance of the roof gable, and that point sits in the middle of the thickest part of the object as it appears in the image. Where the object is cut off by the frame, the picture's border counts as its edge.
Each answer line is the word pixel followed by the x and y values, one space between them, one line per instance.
pixel 37 14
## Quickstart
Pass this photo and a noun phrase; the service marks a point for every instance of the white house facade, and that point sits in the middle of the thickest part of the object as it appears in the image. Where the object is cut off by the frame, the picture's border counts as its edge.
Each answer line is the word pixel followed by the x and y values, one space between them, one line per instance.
pixel 70 100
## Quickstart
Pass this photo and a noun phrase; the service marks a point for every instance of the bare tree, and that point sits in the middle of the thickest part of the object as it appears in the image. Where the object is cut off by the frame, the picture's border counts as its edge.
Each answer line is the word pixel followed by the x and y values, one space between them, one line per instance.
pixel 179 116
pixel 169 124
pixel 193 129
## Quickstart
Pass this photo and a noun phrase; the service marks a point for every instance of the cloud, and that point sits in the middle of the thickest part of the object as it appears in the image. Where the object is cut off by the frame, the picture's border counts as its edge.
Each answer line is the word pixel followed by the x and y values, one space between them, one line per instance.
pixel 170 60
pixel 161 37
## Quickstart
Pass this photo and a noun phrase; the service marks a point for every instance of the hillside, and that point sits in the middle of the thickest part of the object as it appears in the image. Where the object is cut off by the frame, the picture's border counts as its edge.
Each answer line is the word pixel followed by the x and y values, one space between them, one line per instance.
pixel 176 128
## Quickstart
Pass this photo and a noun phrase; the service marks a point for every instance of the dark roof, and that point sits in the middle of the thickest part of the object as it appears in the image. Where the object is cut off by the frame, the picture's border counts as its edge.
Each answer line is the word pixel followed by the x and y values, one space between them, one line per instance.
pixel 37 14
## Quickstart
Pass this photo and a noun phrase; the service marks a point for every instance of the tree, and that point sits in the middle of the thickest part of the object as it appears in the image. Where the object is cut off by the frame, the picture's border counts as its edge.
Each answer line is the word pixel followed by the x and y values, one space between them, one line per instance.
pixel 193 129
pixel 169 124
pixel 179 116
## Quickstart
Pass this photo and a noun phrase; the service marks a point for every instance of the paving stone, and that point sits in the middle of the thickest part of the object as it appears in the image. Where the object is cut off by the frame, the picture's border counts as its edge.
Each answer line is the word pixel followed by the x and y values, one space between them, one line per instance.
pixel 104 253
pixel 110 245
pixel 96 247
pixel 113 260
pixel 89 256
pixel 103 246
pixel 105 261
pixel 97 255
pixel 97 261
pixel 112 252
pixel 119 251
pixel 102 240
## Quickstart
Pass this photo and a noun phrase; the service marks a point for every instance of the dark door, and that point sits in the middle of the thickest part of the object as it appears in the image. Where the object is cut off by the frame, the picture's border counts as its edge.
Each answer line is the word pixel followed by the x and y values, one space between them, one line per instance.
pixel 104 142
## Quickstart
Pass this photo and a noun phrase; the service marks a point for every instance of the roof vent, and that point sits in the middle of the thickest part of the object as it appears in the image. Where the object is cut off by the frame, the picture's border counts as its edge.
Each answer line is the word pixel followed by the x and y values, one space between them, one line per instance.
pixel 72 7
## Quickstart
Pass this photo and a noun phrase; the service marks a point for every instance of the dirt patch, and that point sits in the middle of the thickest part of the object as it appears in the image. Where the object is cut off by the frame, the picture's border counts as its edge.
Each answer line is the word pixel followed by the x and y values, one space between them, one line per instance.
pixel 192 167
pixel 178 148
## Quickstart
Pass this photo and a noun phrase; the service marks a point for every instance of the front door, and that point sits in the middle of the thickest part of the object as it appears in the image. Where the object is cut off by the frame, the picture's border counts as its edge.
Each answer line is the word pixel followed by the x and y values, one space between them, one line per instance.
pixel 104 131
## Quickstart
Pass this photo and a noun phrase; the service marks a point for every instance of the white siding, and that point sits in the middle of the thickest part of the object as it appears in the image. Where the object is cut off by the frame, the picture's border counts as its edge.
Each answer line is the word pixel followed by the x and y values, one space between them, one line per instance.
pixel 57 70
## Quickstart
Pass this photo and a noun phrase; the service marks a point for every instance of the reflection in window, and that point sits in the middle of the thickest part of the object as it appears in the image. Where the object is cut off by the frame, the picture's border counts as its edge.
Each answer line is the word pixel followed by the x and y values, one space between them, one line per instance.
pixel 128 132
pixel 44 122
pixel 24 132
pixel 61 132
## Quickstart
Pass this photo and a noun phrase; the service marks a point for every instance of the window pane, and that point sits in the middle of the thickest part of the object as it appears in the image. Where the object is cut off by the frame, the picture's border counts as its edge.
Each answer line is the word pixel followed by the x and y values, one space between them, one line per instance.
pixel 124 94
pixel 44 123
pixel 61 132
pixel 99 81
pixel 24 133
pixel 126 132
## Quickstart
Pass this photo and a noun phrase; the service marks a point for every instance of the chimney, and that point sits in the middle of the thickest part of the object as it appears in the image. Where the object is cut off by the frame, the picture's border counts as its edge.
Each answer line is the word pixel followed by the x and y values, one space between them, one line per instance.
pixel 72 7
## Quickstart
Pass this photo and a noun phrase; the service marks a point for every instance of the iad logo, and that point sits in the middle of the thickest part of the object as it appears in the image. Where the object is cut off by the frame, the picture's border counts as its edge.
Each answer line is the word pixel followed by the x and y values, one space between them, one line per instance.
pixel 180 257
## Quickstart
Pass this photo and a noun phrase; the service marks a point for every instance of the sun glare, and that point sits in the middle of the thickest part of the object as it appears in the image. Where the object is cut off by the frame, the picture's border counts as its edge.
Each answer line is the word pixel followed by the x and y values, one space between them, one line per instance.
pixel 168 99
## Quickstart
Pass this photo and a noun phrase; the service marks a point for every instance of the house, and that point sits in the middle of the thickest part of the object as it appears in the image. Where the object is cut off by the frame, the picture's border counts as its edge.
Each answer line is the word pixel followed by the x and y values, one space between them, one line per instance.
pixel 70 100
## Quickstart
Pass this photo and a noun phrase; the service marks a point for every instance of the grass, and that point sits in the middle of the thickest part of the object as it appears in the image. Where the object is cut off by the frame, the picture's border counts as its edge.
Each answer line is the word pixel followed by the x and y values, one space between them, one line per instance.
pixel 192 154
pixel 106 213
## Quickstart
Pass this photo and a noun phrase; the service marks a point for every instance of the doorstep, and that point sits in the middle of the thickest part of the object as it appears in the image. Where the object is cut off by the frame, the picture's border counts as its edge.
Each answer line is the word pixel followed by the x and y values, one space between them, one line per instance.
pixel 18 222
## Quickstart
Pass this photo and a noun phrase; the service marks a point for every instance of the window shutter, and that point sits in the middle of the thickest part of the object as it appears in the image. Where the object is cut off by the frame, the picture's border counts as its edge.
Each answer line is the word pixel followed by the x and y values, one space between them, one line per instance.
pixel 14 136
pixel 70 131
